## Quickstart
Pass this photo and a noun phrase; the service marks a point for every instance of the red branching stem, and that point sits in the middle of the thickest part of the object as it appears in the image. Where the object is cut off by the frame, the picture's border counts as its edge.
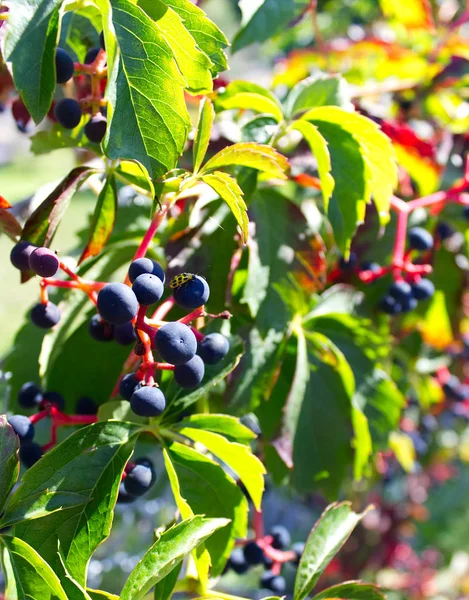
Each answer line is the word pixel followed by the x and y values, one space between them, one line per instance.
pixel 258 524
pixel 199 336
pixel 196 314
pixel 162 310
pixel 69 272
pixel 399 242
pixel 164 366
pixel 43 414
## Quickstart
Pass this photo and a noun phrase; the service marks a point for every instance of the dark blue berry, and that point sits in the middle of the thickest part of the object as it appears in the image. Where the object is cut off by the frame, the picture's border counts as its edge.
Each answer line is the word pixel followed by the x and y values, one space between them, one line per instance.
pixel 192 294
pixel 176 343
pixel 140 478
pixel 100 330
pixel 465 212
pixel 86 406
pixel 452 389
pixel 125 334
pixel 253 553
pixel 53 398
pixel 30 454
pixel 91 55
pixel 191 373
pixel 148 401
pixel 117 303
pixel 298 548
pixel 370 266
pixel 400 290
pixel 68 113
pixel 23 428
pixel 389 306
pixel 95 129
pixel 45 316
pixel 124 497
pixel 420 239
pixel 145 265
pixel 213 348
pixel 274 583
pixel 409 304
pixel 127 385
pixel 281 538
pixel 351 263
pixel 238 562
pixel 64 67
pixel 148 288
pixel 20 253
pixel 30 395
pixel 44 262
pixel 423 289
pixel 444 231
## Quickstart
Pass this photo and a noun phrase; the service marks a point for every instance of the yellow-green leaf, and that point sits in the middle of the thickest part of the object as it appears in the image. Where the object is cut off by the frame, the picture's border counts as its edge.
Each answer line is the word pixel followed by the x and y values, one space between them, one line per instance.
pixel 202 132
pixel 247 154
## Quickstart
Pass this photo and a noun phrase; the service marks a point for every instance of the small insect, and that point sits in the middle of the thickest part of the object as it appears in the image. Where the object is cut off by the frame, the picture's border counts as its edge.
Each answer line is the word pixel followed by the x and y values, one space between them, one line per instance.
pixel 179 280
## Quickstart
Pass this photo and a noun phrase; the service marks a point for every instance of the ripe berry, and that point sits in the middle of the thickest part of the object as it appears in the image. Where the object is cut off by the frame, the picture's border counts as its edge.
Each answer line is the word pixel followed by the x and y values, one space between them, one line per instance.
pixel 176 343
pixel 237 561
pixel 281 537
pixel 148 289
pixel 351 263
pixel 125 334
pixel 30 454
pixel 127 385
pixel 20 253
pixel 68 113
pixel 30 395
pixel 253 553
pixel 86 406
pixel 452 389
pixel 274 583
pixel 64 68
pixel 213 348
pixel 370 266
pixel 420 239
pixel 44 262
pixel 191 373
pixel 408 304
pixel 148 401
pixel 91 55
pixel 444 231
pixel 23 428
pixel 100 330
pixel 145 265
pixel 95 129
pixel 124 497
pixel 298 548
pixel 400 290
pixel 423 289
pixel 117 303
pixel 53 398
pixel 192 294
pixel 45 316
pixel 140 478
pixel 389 306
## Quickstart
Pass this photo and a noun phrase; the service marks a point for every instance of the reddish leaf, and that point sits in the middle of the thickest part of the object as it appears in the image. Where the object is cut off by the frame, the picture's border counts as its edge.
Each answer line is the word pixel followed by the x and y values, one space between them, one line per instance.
pixel 405 136
pixel 9 225
pixel 103 220
pixel 4 203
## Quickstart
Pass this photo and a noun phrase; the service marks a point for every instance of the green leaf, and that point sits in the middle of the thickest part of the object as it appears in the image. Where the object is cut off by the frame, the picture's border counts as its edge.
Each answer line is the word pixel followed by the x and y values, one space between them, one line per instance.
pixel 202 132
pixel 9 464
pixel 33 29
pixel 102 222
pixel 57 138
pixel 377 151
pixel 90 462
pixel 101 595
pixel 249 96
pixel 229 426
pixel 320 151
pixel 229 191
pixel 71 587
pixel 165 587
pixel 320 89
pixel 79 31
pixel 141 106
pixel 260 129
pixel 167 553
pixel 119 410
pixel 326 538
pixel 238 457
pixel 193 64
pixel 245 154
pixel 206 488
pixel 208 36
pixel 351 590
pixel 264 19
pixel 42 225
pixel 34 578
pixel 135 173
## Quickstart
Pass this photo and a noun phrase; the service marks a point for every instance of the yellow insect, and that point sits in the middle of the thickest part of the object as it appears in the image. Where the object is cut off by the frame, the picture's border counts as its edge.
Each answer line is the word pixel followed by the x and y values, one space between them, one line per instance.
pixel 179 280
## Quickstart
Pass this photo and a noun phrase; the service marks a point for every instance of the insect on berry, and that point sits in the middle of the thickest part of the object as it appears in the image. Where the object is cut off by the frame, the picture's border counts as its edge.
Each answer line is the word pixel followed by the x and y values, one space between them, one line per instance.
pixel 179 280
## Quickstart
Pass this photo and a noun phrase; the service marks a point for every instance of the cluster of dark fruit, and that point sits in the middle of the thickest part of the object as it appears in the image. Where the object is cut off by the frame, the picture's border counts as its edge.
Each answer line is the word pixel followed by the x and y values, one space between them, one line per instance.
pixel 139 477
pixel 31 396
pixel 176 343
pixel 68 111
pixel 403 296
pixel 251 554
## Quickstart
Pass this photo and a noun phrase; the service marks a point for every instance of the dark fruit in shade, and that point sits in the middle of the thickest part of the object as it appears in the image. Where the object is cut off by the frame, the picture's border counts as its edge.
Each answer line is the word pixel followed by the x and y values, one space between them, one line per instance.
pixel 95 129
pixel 423 289
pixel 191 373
pixel 45 316
pixel 100 330
pixel 145 265
pixel 30 454
pixel 213 348
pixel 192 294
pixel 148 401
pixel 281 538
pixel 125 334
pixel 351 263
pixel 400 290
pixel 117 303
pixel 91 55
pixel 274 583
pixel 86 406
pixel 64 67
pixel 390 306
pixel 124 497
pixel 298 548
pixel 420 239
pixel 238 562
pixel 23 428
pixel 140 478
pixel 54 398
pixel 253 553
pixel 127 385
pixel 148 288
pixel 176 343
pixel 68 113
pixel 30 395
pixel 44 262
pixel 20 253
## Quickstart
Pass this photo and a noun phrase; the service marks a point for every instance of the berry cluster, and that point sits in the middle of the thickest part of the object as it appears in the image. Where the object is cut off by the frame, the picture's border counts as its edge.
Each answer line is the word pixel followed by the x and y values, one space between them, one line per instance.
pixel 137 479
pixel 270 551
